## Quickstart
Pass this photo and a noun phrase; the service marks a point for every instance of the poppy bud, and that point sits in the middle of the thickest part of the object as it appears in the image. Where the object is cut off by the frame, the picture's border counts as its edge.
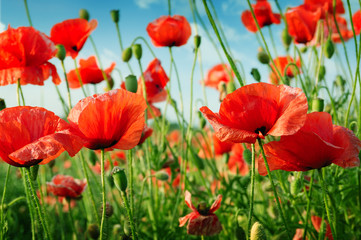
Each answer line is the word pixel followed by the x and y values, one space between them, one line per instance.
pixel 296 184
pixel 115 15
pixel 340 82
pixel 110 83
pixel 240 233
pixel 231 87
pixel 34 172
pixel 317 105
pixel 127 54
pixel 84 14
pixel 108 210
pixel 197 41
pixel 61 53
pixel 262 56
pixel 120 178
pixel 257 232
pixel 117 230
pixel 93 157
pixel 247 155
pixel 202 123
pixel 255 74
pixel 93 230
pixel 322 72
pixel 126 228
pixel 137 51
pixel 329 48
pixel 304 49
pixel 161 175
pixel 2 104
pixel 286 38
pixel 131 83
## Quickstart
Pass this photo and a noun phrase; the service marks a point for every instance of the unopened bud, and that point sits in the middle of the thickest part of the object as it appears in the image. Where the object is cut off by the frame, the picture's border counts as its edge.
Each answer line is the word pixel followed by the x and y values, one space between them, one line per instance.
pixel 197 41
pixel 120 178
pixel 137 51
pixel 262 56
pixel 161 175
pixel 84 14
pixel 255 74
pixel 93 230
pixel 230 87
pixel 340 82
pixel 115 15
pixel 296 184
pixel 126 228
pixel 304 49
pixel 322 72
pixel 317 105
pixel 61 53
pixel 258 232
pixel 222 88
pixel 110 83
pixel 117 230
pixel 108 210
pixel 286 38
pixel 127 54
pixel 202 123
pixel 131 83
pixel 2 104
pixel 329 48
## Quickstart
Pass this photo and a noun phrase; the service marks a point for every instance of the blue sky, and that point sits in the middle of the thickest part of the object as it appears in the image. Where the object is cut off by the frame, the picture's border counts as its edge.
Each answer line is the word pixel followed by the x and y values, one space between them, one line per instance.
pixel 135 15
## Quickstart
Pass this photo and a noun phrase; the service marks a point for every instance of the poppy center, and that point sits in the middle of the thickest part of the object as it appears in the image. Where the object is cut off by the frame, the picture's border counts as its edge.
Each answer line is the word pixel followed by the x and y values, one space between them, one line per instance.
pixel 261 131
pixel 74 48
pixel 203 209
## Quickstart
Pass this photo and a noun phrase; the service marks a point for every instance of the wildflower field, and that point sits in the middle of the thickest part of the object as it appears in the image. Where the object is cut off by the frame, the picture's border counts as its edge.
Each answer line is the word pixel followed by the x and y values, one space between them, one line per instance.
pixel 185 135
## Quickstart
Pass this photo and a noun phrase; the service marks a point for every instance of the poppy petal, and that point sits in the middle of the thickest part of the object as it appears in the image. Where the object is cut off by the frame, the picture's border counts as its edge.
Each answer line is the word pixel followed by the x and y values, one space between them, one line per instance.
pixel 216 204
pixel 183 220
pixel 188 200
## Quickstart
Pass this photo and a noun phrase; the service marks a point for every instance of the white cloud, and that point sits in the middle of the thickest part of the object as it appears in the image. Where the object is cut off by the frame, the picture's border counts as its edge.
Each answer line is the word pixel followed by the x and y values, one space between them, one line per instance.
pixel 2 27
pixel 145 3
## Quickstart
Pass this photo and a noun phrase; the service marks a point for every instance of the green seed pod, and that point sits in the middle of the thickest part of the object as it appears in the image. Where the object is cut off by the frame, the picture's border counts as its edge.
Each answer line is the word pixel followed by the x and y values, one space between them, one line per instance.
pixel 197 41
pixel 61 53
pixel 117 230
pixel 329 48
pixel 115 15
pixel 93 230
pixel 120 178
pixel 340 82
pixel 255 74
pixel 131 83
pixel 84 14
pixel 137 51
pixel 34 172
pixel 296 184
pixel 262 56
pixel 202 123
pixel 317 105
pixel 2 104
pixel 258 232
pixel 161 175
pixel 92 157
pixel 322 72
pixel 286 38
pixel 127 54
pixel 240 233
pixel 230 87
pixel 126 228
pixel 304 49
pixel 110 83
pixel 247 156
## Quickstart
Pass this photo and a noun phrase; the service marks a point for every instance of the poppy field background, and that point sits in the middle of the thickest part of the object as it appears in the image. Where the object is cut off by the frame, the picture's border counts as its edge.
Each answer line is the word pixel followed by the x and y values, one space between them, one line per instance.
pixel 194 121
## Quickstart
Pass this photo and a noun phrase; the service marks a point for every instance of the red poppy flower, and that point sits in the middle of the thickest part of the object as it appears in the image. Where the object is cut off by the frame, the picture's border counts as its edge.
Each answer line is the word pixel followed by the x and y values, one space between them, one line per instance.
pixel 168 31
pixel 264 15
pixel 302 23
pixel 330 28
pixel 325 5
pixel 34 135
pixel 66 186
pixel 202 221
pixel 89 73
pixel 217 74
pixel 220 147
pixel 111 120
pixel 316 222
pixel 24 55
pixel 258 109
pixel 281 63
pixel 236 163
pixel 147 132
pixel 317 144
pixel 72 34
pixel 356 19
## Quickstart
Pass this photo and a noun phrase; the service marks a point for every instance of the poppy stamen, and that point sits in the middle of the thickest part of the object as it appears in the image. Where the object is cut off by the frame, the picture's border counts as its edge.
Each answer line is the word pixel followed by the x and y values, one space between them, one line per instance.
pixel 261 132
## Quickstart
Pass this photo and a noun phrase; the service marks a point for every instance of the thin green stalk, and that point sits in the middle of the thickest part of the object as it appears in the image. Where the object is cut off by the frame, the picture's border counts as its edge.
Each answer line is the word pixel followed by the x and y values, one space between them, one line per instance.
pixel 169 8
pixel 30 204
pixel 61 217
pixel 28 12
pixel 130 172
pixel 3 200
pixel 130 216
pixel 274 188
pixel 79 78
pixel 103 219
pixel 19 92
pixel 71 219
pixel 191 93
pixel 308 205
pixel 178 81
pixel 67 85
pixel 121 45
pixel 250 214
pixel 230 60
pixel 63 104
pixel 325 198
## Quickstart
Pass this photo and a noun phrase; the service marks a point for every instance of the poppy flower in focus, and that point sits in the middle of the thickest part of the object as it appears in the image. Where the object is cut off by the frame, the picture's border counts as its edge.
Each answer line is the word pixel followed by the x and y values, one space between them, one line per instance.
pixel 281 63
pixel 72 33
pixel 34 135
pixel 24 55
pixel 168 31
pixel 66 186
pixel 302 23
pixel 256 110
pixel 111 120
pixel 356 19
pixel 317 144
pixel 217 74
pixel 264 15
pixel 202 221
pixel 236 162
pixel 325 5
pixel 89 73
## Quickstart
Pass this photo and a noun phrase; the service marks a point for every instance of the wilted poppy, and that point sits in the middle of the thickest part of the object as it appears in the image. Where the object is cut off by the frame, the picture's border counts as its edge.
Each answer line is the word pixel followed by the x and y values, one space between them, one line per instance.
pixel 325 5
pixel 34 135
pixel 66 186
pixel 302 23
pixel 317 144
pixel 256 110
pixel 356 19
pixel 202 221
pixel 72 33
pixel 217 74
pixel 89 73
pixel 168 31
pixel 111 120
pixel 236 162
pixel 281 64
pixel 24 55
pixel 264 15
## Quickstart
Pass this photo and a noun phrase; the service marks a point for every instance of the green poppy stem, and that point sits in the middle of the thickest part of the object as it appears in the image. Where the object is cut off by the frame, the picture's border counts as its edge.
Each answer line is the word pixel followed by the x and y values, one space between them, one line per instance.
pixel 130 172
pixel 274 188
pixel 2 202
pixel 252 190
pixel 103 219
pixel 308 205
pixel 130 216
pixel 67 85
pixel 71 219
pixel 27 12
